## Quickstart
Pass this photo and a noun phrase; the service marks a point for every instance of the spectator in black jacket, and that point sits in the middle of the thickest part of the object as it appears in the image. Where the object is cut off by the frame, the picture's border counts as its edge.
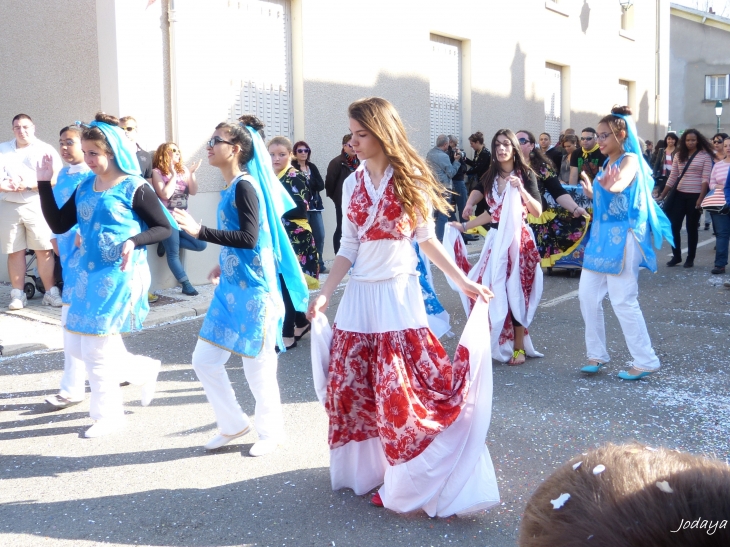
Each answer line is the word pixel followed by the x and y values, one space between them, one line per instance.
pixel 302 151
pixel 337 171
pixel 478 166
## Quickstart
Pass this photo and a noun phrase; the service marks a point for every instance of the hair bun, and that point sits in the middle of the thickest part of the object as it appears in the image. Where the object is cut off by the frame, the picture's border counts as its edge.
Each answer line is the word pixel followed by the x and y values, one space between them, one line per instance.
pixel 106 118
pixel 479 135
pixel 623 110
pixel 253 121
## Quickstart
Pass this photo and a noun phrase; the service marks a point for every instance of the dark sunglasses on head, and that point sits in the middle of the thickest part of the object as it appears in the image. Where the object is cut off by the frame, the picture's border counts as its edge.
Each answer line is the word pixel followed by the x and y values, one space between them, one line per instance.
pixel 302 150
pixel 129 128
pixel 523 140
pixel 215 140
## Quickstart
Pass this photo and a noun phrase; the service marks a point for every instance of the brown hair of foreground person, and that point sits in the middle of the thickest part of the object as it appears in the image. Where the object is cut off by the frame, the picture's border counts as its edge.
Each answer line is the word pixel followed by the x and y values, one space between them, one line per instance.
pixel 644 497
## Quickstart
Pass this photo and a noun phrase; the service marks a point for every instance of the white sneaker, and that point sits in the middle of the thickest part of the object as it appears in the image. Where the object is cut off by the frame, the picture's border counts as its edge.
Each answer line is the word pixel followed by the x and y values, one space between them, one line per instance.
pixel 222 439
pixel 58 401
pixel 148 389
pixel 53 298
pixel 105 426
pixel 17 300
pixel 263 447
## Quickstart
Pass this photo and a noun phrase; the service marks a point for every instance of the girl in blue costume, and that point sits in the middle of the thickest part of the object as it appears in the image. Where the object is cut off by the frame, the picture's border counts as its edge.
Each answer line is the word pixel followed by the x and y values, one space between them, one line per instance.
pixel 626 222
pixel 247 311
pixel 73 388
pixel 117 213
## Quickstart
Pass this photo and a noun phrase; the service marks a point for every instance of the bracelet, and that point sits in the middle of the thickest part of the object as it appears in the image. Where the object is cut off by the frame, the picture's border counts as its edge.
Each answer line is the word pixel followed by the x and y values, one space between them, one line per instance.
pixel 463 226
pixel 576 208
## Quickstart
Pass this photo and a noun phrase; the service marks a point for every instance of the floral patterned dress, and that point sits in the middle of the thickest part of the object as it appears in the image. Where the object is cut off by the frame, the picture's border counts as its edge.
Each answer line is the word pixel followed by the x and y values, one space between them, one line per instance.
pixel 401 412
pixel 510 266
pixel 298 229
pixel 557 232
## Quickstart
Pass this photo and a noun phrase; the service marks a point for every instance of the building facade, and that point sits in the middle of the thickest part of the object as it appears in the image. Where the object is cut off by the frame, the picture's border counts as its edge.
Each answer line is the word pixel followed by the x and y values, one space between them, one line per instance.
pixel 181 66
pixel 700 70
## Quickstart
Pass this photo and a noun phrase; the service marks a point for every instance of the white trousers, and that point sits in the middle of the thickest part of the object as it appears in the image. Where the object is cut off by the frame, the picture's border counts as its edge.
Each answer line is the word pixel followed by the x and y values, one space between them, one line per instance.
pixel 209 364
pixel 73 381
pixel 108 363
pixel 623 290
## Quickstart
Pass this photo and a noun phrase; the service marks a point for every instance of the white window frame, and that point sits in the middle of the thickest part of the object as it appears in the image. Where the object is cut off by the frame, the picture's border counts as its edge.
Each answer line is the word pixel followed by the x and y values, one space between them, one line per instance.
pixel 554 116
pixel 445 107
pixel 711 79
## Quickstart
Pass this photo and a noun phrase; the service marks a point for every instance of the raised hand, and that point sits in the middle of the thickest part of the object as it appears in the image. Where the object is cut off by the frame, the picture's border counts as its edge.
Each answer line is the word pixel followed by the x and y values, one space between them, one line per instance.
pixel 195 165
pixel 186 222
pixel 45 170
pixel 587 185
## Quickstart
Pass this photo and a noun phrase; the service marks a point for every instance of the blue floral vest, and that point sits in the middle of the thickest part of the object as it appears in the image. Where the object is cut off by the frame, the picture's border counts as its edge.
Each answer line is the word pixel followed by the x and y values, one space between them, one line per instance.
pixel 67 250
pixel 615 217
pixel 106 300
pixel 240 309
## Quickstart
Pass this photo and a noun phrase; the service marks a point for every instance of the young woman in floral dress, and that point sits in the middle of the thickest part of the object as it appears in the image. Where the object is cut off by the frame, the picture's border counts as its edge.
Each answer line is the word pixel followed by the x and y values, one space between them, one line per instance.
pixel 296 224
pixel 401 413
pixel 510 262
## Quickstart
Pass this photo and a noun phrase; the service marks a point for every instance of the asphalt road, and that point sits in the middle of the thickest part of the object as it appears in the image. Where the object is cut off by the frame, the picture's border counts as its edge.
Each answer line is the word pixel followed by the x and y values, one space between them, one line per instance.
pixel 153 484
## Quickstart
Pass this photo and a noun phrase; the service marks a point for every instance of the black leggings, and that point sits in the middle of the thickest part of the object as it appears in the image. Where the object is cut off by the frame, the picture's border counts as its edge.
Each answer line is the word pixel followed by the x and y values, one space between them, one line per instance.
pixel 684 206
pixel 292 317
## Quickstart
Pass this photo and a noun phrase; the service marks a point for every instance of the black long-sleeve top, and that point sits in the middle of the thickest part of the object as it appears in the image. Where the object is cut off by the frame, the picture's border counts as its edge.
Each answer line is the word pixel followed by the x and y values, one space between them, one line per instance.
pixel 247 204
pixel 145 203
pixel 316 185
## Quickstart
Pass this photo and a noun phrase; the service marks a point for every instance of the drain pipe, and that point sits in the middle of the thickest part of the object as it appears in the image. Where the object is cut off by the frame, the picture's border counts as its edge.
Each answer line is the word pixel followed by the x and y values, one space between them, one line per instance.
pixel 172 19
pixel 657 73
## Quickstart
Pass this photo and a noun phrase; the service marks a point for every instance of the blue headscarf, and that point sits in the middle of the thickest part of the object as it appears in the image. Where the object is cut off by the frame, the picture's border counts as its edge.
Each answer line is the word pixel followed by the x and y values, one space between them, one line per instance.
pixel 125 156
pixel 124 151
pixel 277 202
pixel 658 221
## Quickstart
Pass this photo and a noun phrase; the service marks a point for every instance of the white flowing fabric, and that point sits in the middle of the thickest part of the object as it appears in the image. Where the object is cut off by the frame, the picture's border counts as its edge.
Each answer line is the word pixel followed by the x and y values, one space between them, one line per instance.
pixel 504 244
pixel 454 474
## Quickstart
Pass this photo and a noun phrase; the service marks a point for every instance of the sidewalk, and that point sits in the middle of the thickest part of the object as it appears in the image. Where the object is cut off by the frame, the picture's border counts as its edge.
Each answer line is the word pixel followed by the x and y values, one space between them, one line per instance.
pixel 37 327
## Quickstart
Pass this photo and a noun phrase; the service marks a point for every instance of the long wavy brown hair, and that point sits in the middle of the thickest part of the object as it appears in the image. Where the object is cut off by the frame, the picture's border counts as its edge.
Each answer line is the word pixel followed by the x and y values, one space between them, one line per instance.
pixel 413 181
pixel 162 162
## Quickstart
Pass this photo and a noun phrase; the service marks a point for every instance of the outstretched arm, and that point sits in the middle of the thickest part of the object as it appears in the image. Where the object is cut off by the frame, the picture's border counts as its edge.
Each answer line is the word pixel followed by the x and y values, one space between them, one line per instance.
pixel 436 254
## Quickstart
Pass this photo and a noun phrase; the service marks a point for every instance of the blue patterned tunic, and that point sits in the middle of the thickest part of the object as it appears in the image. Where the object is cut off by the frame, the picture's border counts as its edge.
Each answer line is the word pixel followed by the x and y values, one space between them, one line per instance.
pixel 240 310
pixel 67 250
pixel 615 217
pixel 106 300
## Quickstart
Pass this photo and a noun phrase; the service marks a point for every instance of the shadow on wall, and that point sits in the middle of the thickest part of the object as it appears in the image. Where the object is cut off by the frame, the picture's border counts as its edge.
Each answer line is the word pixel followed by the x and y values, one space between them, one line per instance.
pixel 325 122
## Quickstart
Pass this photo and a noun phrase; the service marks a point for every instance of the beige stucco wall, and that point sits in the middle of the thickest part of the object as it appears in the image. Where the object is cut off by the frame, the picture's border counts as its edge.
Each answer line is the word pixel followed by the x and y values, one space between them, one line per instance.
pixel 343 52
pixel 697 50
pixel 49 67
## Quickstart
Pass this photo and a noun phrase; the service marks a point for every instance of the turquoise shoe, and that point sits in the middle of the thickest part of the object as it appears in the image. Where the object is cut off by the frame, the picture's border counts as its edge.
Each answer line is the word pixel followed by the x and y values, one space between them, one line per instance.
pixel 592 369
pixel 626 376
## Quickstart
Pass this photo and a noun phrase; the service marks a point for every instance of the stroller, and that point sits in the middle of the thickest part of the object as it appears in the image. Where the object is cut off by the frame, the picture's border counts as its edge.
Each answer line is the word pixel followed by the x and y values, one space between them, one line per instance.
pixel 31 272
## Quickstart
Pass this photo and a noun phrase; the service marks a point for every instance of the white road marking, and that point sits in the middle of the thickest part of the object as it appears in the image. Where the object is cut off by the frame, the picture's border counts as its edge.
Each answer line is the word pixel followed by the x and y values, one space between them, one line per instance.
pixel 706 242
pixel 559 299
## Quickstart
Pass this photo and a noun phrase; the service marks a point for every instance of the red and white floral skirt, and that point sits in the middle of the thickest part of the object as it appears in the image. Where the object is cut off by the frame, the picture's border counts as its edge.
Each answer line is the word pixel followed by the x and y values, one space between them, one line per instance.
pixel 401 412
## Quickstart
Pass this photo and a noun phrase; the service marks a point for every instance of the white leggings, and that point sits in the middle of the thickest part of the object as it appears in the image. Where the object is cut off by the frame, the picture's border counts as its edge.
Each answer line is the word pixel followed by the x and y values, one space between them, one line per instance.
pixel 623 290
pixel 108 363
pixel 209 364
pixel 73 381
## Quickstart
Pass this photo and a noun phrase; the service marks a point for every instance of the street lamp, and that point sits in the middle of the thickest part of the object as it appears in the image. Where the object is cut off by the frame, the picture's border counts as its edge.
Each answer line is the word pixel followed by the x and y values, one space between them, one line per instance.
pixel 718 113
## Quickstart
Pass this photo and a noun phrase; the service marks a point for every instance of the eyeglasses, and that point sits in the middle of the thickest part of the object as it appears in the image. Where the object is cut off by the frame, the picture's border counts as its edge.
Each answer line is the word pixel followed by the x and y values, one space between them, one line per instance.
pixel 215 140
pixel 717 142
pixel 174 150
pixel 129 128
pixel 523 140
pixel 303 150
pixel 603 136
pixel 586 138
